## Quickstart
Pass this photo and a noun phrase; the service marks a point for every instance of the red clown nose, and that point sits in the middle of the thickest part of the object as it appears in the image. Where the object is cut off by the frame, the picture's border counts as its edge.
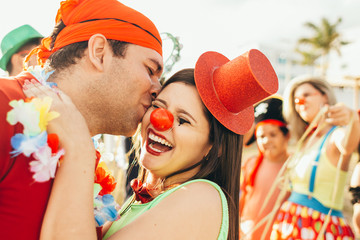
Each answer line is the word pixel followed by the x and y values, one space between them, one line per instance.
pixel 161 119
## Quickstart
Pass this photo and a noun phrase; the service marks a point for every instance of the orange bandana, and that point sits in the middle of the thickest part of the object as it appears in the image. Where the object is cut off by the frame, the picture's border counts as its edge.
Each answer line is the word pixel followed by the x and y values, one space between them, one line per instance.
pixel 84 18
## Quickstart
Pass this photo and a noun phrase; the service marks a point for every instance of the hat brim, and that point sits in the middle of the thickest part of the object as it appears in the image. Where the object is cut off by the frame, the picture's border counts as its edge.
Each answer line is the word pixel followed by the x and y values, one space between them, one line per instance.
pixel 240 122
pixel 6 58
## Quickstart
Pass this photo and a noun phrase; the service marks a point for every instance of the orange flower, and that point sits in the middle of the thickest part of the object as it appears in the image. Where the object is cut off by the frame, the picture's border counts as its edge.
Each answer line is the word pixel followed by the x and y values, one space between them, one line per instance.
pixel 105 179
pixel 98 156
pixel 53 142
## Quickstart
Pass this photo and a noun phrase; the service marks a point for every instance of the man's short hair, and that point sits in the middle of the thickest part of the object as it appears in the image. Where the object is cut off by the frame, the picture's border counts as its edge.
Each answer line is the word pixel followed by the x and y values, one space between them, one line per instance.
pixel 69 54
pixel 78 21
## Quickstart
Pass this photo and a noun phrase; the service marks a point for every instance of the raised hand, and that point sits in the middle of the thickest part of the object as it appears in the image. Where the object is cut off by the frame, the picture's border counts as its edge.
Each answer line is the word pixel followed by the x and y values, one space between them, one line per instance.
pixel 340 115
pixel 71 126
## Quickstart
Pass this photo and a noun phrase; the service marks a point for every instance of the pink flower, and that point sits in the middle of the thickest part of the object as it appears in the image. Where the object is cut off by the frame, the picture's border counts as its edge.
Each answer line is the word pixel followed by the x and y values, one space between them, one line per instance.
pixel 44 165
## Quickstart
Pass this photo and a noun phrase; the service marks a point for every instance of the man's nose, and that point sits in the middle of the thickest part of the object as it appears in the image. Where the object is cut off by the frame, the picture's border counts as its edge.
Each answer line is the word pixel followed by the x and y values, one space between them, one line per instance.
pixel 155 89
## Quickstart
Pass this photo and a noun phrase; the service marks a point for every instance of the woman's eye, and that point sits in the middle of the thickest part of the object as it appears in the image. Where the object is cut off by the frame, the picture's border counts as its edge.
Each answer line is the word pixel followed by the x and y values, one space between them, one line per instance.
pixel 182 121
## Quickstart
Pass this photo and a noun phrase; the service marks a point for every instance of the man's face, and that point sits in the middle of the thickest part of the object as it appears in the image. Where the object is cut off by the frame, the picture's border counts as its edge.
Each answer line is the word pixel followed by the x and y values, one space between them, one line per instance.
pixel 18 58
pixel 271 141
pixel 130 84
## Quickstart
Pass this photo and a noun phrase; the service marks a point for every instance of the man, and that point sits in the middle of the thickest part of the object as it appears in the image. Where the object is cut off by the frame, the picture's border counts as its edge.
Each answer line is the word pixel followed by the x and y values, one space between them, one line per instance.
pixel 15 46
pixel 108 59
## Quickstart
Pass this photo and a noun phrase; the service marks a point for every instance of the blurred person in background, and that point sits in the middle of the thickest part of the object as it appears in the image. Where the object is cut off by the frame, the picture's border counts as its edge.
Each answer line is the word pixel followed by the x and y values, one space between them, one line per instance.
pixel 328 134
pixel 355 191
pixel 258 173
pixel 15 46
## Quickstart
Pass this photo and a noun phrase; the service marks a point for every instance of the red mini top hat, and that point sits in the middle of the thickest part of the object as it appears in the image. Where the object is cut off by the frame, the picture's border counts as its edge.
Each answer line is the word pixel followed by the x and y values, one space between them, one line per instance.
pixel 229 89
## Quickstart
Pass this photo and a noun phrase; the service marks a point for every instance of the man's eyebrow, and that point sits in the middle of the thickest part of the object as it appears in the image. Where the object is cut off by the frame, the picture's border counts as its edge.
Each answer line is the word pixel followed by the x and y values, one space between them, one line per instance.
pixel 159 67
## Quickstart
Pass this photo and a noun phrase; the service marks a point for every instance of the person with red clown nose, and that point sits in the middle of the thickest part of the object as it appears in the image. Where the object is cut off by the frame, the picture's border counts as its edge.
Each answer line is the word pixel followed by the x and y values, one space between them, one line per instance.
pixel 327 134
pixel 190 155
pixel 107 58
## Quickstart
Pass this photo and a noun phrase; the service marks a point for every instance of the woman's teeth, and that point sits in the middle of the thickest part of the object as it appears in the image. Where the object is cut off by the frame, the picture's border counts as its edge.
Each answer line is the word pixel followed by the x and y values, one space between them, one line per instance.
pixel 159 140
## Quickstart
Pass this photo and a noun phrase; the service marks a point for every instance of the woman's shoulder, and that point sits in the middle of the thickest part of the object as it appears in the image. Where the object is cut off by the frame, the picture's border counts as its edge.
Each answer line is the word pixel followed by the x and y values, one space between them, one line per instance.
pixel 196 206
pixel 198 190
pixel 201 197
pixel 200 183
pixel 201 204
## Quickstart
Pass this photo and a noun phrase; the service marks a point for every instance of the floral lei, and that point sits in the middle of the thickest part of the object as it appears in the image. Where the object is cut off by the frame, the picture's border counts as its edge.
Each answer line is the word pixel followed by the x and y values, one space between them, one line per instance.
pixel 34 114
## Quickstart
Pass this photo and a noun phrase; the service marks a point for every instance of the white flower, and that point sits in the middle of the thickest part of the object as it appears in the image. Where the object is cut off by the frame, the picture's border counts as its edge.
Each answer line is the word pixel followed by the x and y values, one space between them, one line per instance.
pixel 26 114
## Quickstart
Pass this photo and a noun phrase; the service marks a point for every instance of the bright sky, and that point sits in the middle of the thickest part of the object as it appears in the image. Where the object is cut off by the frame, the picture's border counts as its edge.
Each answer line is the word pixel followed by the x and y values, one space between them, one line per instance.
pixel 227 26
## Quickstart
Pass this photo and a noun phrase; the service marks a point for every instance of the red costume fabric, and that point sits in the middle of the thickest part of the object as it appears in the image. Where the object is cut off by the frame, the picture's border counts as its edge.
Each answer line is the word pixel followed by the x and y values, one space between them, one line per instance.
pixel 22 200
pixel 258 177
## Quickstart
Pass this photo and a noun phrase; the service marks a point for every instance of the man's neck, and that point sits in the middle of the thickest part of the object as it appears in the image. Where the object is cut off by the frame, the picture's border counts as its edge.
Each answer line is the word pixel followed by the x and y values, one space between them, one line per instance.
pixel 70 82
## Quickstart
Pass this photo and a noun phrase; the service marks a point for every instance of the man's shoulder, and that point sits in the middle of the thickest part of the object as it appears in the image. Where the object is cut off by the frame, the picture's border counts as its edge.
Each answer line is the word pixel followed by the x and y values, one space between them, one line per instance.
pixel 11 87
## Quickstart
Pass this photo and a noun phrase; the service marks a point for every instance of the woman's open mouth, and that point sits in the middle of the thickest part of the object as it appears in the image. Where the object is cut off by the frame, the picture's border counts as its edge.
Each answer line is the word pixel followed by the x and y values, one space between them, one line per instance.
pixel 157 144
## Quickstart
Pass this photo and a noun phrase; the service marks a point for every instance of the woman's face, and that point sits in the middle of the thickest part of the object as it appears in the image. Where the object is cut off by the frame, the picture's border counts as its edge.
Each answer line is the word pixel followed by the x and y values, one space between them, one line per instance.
pixel 183 145
pixel 308 101
pixel 271 140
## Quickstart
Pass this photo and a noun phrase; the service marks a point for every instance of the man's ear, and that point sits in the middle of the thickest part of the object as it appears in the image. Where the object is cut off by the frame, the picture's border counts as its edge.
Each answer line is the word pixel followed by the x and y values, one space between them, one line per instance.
pixel 97 48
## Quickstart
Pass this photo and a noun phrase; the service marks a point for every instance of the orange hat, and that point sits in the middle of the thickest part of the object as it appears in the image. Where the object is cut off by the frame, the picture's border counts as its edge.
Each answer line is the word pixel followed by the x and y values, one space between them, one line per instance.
pixel 84 18
pixel 229 89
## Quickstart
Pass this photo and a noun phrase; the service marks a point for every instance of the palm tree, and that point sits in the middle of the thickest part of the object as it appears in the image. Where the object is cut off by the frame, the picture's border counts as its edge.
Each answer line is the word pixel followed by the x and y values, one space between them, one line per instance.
pixel 325 39
pixel 308 57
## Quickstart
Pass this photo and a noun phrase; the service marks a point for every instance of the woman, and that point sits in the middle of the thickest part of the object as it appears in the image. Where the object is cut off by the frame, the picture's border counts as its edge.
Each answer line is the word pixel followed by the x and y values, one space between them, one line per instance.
pixel 190 168
pixel 259 172
pixel 318 168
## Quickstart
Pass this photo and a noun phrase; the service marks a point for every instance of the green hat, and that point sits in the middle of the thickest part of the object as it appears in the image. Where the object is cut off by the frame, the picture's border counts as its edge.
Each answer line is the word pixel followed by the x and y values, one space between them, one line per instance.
pixel 14 40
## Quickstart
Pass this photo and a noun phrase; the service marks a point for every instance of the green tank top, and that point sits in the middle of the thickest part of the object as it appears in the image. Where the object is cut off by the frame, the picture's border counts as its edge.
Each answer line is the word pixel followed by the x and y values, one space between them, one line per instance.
pixel 136 210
